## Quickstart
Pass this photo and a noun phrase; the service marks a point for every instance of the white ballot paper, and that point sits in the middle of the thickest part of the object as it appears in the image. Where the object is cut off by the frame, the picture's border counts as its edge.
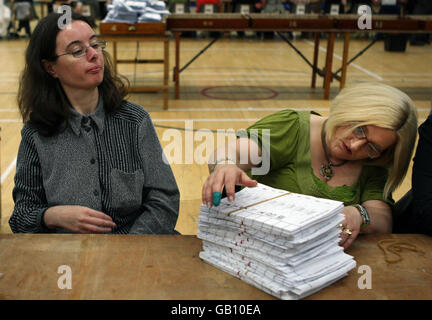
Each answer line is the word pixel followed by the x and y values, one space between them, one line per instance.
pixel 283 243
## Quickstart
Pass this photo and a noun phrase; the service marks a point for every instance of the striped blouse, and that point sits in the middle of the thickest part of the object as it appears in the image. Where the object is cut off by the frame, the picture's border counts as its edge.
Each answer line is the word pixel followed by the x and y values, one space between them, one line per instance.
pixel 110 162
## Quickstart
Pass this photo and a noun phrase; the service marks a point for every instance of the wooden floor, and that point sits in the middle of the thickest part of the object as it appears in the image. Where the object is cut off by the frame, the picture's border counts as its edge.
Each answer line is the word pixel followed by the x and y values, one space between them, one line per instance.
pixel 235 83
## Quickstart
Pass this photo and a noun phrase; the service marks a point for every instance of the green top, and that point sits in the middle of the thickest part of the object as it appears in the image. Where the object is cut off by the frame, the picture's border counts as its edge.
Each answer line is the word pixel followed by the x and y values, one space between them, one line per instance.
pixel 290 162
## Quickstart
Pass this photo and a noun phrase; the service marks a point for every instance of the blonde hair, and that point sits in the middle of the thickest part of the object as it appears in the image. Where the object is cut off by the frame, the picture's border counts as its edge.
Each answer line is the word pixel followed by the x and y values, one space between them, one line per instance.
pixel 383 106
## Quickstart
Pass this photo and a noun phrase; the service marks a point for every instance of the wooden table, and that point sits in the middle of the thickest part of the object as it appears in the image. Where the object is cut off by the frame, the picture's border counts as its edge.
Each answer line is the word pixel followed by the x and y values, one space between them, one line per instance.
pixel 316 23
pixel 141 32
pixel 168 267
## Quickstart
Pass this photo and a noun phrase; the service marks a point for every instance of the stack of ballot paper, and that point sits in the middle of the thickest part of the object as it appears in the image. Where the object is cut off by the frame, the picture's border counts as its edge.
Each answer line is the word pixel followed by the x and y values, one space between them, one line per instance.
pixel 283 243
pixel 136 11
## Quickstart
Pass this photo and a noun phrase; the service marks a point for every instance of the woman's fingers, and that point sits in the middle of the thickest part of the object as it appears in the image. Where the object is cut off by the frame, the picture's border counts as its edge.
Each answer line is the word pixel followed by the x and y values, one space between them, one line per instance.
pixel 101 216
pixel 214 192
pixel 350 227
pixel 241 179
pixel 91 221
pixel 99 222
pixel 230 183
pixel 207 193
pixel 347 235
pixel 79 219
pixel 228 176
pixel 246 181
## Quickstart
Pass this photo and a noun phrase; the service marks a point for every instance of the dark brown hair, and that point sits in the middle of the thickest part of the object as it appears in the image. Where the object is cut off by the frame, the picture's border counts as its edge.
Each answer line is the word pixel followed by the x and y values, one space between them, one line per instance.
pixel 42 102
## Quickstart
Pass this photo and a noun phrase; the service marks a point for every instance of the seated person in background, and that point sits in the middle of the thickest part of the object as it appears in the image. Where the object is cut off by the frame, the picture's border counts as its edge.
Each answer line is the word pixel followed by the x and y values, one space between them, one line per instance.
pixel 273 6
pixel 254 5
pixel 87 8
pixel 24 12
pixel 311 6
pixel 358 155
pixel 172 5
pixel 89 161
pixel 201 3
pixel 328 4
pixel 356 3
pixel 413 213
pixel 421 7
pixel 75 5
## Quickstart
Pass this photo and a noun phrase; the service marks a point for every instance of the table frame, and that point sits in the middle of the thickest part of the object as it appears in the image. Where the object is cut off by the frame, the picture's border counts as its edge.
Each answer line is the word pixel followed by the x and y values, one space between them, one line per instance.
pixel 114 39
pixel 330 25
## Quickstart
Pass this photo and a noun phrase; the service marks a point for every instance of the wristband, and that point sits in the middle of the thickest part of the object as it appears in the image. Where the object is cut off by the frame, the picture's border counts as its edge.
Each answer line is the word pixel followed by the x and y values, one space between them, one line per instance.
pixel 220 160
pixel 364 214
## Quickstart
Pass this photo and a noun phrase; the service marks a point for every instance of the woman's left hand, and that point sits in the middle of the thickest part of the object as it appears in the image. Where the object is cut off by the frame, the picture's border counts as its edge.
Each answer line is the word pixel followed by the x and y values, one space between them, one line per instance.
pixel 350 226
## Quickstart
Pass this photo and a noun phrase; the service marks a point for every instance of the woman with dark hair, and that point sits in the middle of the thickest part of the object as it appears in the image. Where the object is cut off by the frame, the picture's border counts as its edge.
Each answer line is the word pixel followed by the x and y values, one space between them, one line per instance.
pixel 89 161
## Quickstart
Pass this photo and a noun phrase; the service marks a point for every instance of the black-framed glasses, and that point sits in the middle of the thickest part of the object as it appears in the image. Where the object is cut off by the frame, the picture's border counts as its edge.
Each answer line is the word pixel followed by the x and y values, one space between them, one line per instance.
pixel 80 50
pixel 371 150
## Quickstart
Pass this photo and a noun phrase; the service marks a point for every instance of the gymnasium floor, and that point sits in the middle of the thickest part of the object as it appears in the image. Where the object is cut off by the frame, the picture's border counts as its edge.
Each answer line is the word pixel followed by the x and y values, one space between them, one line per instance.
pixel 232 85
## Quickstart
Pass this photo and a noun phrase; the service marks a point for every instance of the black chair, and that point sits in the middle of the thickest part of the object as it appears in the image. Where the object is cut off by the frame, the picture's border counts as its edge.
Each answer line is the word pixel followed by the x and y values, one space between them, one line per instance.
pixel 402 213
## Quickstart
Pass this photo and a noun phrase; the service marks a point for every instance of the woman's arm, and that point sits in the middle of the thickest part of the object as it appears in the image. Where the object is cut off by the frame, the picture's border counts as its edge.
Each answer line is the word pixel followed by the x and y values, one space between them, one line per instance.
pixel 28 193
pixel 78 219
pixel 244 152
pixel 161 197
pixel 380 221
pixel 228 166
pixel 380 217
pixel 267 145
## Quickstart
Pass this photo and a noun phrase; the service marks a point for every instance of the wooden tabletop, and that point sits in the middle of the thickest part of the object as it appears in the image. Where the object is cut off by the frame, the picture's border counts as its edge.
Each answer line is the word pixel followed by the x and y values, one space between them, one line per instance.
pixel 168 267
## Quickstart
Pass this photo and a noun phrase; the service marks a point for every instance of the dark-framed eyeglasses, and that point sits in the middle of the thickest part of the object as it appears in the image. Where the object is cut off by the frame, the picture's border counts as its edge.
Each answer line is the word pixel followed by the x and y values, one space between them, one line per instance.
pixel 371 150
pixel 80 50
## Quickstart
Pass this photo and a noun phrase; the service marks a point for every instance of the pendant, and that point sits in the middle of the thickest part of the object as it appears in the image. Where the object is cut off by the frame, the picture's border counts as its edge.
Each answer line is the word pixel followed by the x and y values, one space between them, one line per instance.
pixel 326 171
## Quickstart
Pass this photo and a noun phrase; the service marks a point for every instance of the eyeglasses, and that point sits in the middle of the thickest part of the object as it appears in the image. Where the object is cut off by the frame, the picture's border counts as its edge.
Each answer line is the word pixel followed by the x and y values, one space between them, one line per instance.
pixel 80 50
pixel 371 150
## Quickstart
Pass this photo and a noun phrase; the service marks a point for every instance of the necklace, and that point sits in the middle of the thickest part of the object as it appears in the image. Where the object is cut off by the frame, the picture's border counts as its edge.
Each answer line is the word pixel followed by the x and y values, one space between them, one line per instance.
pixel 326 170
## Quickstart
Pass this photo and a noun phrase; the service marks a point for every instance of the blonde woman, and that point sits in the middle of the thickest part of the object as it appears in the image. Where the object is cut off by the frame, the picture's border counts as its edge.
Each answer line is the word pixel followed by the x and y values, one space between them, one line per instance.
pixel 358 155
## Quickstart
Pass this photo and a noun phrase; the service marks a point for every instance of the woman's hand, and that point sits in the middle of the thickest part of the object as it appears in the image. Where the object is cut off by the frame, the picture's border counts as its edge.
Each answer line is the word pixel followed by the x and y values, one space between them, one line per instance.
pixel 350 226
pixel 225 174
pixel 78 219
pixel 380 221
